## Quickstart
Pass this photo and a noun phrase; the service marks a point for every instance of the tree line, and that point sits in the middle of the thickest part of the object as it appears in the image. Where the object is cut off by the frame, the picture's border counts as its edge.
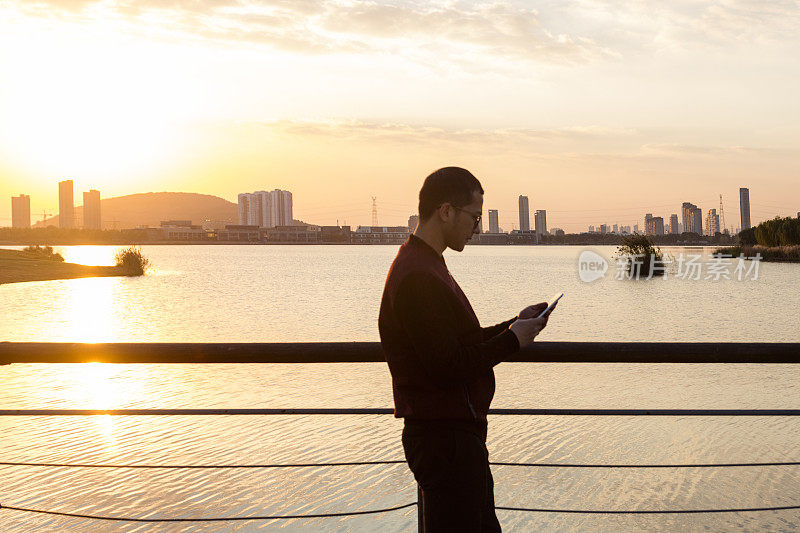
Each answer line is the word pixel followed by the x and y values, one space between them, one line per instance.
pixel 776 232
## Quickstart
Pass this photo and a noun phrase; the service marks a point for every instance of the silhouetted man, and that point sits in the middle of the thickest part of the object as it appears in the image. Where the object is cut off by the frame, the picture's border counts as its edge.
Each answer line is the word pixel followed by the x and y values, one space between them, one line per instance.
pixel 441 359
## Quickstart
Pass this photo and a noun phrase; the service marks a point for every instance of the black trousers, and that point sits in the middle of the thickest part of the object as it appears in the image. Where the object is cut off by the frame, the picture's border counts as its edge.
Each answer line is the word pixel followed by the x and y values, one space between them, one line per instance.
pixel 451 466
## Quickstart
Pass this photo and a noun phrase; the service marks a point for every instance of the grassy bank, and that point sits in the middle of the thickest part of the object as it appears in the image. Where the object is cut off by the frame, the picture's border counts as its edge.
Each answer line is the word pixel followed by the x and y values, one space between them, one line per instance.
pixel 17 266
pixel 780 254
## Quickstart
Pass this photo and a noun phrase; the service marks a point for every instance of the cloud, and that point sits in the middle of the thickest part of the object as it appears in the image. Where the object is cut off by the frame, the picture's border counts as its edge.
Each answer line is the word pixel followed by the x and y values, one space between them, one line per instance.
pixel 498 29
pixel 573 144
pixel 363 131
pixel 635 25
pixel 454 31
pixel 692 150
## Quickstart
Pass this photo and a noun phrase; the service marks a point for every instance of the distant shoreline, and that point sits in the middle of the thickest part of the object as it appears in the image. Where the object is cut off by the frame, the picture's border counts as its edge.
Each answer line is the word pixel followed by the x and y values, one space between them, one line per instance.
pixel 773 254
pixel 289 243
pixel 17 267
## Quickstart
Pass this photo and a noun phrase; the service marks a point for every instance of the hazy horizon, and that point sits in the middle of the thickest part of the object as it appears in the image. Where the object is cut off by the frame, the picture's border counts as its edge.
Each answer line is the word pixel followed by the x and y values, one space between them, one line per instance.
pixel 598 111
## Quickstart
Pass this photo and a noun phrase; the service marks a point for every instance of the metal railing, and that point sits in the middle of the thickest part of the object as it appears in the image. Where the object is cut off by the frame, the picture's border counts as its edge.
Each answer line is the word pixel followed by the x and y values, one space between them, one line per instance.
pixel 368 352
pixel 551 352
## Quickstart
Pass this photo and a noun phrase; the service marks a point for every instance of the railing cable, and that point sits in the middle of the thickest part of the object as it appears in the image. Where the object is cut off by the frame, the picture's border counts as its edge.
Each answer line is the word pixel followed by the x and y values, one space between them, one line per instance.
pixel 399 507
pixel 698 465
pixel 282 465
pixel 393 462
pixel 666 511
pixel 211 519
pixel 388 411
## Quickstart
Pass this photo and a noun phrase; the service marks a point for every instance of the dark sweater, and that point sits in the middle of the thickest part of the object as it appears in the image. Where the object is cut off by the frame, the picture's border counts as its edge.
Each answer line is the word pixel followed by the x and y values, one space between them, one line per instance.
pixel 440 358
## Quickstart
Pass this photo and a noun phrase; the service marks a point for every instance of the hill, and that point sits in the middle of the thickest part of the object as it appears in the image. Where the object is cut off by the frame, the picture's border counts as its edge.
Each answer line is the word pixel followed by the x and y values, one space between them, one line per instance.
pixel 149 209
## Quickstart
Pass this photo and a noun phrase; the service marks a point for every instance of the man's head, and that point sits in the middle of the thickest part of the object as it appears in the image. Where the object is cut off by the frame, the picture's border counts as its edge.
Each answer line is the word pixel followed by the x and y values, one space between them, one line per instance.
pixel 450 204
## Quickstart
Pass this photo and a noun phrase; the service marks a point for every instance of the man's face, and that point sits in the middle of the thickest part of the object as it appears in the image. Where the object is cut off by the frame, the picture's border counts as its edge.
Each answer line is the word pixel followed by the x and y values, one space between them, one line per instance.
pixel 462 225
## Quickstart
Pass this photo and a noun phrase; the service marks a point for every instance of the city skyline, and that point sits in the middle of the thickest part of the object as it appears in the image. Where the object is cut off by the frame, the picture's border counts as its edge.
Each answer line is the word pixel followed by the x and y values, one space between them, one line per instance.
pixel 678 101
pixel 283 212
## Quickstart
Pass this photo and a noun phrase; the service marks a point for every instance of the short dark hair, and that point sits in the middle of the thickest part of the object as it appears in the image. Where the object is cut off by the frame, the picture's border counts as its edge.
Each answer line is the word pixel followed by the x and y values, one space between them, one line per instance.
pixel 453 185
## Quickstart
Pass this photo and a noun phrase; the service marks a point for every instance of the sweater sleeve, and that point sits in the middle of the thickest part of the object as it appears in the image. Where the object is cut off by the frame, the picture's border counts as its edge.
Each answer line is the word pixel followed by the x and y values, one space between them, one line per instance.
pixel 421 304
pixel 490 331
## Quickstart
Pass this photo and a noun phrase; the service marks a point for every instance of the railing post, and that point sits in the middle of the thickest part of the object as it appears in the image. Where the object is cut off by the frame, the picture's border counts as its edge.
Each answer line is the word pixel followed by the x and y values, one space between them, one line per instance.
pixel 420 515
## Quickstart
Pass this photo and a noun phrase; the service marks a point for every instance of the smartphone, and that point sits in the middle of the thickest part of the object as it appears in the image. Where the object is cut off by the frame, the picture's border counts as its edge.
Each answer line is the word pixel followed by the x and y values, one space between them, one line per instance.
pixel 556 298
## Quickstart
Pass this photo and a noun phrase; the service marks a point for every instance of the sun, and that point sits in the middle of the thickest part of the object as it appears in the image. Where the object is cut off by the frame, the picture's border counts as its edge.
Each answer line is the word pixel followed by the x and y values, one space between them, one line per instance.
pixel 93 104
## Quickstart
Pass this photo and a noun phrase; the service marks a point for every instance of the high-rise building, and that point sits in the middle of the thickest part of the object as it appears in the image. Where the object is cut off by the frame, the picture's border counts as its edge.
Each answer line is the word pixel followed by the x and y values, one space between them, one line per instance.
pixel 692 218
pixel 712 222
pixel 649 224
pixel 673 224
pixel 697 215
pixel 244 208
pixel 266 209
pixel 603 229
pixel 686 215
pixel 615 228
pixel 21 211
pixel 66 205
pixel 91 209
pixel 636 229
pixel 413 221
pixel 658 225
pixel 744 207
pixel 524 214
pixel 494 224
pixel 591 229
pixel 540 221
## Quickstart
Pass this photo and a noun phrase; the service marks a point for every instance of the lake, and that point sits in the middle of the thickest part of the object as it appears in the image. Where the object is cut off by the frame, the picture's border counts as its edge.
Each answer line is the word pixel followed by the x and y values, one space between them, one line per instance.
pixel 332 293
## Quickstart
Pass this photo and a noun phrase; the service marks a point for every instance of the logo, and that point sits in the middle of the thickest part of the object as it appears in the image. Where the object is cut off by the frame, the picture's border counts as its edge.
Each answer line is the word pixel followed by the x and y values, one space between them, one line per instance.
pixel 591 266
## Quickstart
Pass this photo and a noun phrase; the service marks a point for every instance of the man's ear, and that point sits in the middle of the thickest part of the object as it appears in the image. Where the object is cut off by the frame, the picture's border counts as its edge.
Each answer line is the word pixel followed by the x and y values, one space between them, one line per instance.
pixel 444 211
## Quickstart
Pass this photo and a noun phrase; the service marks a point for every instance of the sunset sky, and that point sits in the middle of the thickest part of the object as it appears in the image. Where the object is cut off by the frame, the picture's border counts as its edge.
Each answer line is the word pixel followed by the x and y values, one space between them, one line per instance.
pixel 599 111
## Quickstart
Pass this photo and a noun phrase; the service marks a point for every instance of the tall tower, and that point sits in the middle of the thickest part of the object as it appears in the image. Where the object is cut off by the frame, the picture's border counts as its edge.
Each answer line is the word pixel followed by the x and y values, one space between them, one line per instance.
pixel 494 223
pixel 712 222
pixel 686 215
pixel 697 214
pixel 244 208
pixel 21 211
pixel 692 218
pixel 540 221
pixel 374 211
pixel 66 205
pixel 744 207
pixel 723 228
pixel 91 209
pixel 524 214
pixel 673 223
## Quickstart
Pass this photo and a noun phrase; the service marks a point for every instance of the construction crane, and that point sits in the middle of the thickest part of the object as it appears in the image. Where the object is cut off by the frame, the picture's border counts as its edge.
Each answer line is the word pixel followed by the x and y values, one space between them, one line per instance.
pixel 44 215
pixel 374 211
pixel 722 216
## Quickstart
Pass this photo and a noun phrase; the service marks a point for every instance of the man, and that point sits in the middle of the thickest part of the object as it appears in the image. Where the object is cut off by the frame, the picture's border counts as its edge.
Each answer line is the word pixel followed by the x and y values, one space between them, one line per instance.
pixel 441 359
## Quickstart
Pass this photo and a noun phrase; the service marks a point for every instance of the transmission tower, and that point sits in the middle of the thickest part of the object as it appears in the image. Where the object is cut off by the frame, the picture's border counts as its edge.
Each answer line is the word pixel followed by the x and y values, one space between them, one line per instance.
pixel 722 215
pixel 374 212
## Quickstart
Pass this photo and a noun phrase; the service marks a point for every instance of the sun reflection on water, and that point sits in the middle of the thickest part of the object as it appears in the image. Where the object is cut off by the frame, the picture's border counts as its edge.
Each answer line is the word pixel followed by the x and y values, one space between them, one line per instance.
pixel 101 390
pixel 89 314
pixel 89 255
pixel 96 380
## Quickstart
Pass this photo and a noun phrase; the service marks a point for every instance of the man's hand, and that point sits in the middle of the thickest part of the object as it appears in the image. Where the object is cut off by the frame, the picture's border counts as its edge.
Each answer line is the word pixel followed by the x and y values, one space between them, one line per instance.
pixel 532 311
pixel 526 329
pixel 527 326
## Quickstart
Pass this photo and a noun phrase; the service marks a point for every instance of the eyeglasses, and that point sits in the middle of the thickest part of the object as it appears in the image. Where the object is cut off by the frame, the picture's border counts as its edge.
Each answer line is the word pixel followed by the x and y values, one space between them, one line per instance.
pixel 475 218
